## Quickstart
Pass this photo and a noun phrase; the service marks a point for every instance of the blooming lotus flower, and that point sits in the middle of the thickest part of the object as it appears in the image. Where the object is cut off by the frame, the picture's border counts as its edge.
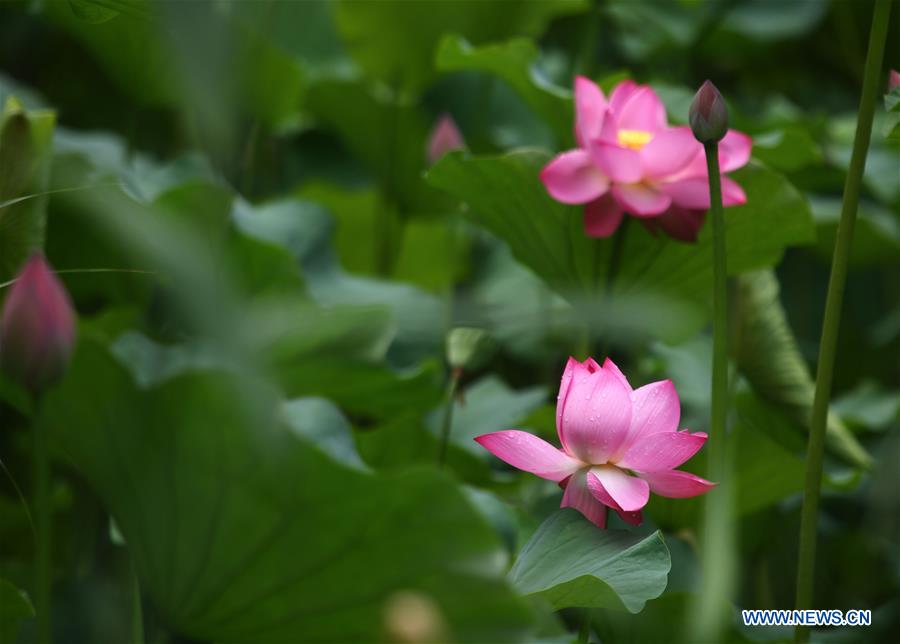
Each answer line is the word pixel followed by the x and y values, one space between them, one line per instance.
pixel 630 160
pixel 444 138
pixel 618 444
pixel 37 329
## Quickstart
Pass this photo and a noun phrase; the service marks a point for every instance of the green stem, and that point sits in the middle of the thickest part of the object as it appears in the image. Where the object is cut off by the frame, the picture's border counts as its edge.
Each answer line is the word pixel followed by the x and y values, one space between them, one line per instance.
pixel 717 521
pixel 720 317
pixel 584 634
pixel 137 610
pixel 43 524
pixel 452 387
pixel 833 304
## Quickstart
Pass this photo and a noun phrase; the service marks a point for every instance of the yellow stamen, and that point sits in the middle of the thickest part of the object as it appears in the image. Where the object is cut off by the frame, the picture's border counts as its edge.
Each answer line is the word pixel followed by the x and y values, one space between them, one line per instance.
pixel 634 139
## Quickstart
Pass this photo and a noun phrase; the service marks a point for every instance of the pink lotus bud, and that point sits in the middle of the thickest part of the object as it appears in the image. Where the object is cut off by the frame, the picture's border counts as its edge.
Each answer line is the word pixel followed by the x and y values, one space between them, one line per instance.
pixel 37 330
pixel 708 114
pixel 893 80
pixel 443 138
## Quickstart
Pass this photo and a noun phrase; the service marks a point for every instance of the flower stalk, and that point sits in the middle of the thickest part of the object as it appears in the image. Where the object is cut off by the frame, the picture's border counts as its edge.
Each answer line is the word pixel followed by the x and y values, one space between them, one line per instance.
pixel 452 387
pixel 37 337
pixel 709 123
pixel 718 537
pixel 720 317
pixel 43 527
pixel 833 305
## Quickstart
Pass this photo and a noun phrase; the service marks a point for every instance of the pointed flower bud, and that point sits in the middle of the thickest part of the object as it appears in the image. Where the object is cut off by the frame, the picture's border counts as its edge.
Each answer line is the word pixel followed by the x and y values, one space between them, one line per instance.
pixel 37 329
pixel 444 138
pixel 708 114
pixel 468 348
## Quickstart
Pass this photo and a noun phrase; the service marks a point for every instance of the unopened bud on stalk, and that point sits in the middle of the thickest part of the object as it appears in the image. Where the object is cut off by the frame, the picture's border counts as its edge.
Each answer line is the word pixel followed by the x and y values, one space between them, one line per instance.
pixel 708 114
pixel 37 329
pixel 468 348
pixel 444 138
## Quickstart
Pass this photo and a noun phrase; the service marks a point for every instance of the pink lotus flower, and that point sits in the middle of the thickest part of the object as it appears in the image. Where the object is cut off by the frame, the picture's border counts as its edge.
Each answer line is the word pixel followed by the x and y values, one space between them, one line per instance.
pixel 37 329
pixel 893 80
pixel 444 137
pixel 629 160
pixel 619 444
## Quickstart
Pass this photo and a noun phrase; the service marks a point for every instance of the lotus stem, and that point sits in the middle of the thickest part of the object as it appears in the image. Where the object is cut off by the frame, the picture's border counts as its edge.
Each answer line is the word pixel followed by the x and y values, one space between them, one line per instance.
pixel 717 535
pixel 720 318
pixel 43 530
pixel 452 386
pixel 833 304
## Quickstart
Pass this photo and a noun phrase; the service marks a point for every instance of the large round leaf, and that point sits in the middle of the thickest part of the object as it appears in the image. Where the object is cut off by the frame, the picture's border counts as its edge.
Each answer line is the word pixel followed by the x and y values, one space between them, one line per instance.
pixel 395 40
pixel 243 530
pixel 657 283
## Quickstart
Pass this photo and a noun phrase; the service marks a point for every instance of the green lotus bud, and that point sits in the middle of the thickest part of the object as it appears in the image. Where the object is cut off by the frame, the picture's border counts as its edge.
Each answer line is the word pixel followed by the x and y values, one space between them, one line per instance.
pixel 467 347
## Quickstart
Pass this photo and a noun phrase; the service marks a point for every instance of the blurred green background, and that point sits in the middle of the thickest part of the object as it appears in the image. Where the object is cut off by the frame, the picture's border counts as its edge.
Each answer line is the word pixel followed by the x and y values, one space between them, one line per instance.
pixel 260 379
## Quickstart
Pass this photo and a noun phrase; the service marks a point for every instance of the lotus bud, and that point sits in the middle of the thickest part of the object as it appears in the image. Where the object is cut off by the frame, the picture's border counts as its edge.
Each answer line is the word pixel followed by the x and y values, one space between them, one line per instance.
pixel 37 329
pixel 708 114
pixel 444 138
pixel 893 80
pixel 467 348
